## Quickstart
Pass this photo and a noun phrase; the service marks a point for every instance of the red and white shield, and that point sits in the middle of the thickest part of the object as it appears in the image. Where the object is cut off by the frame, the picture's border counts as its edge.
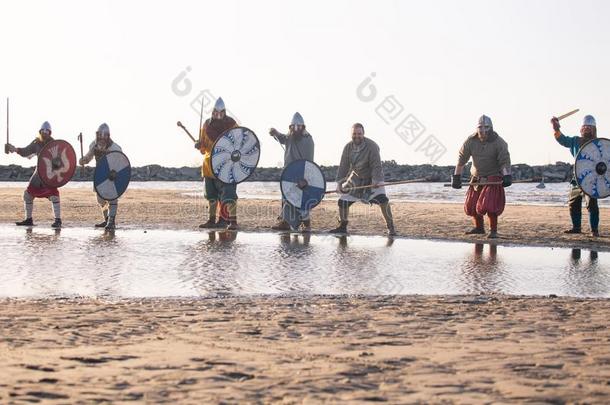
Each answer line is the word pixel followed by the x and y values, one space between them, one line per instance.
pixel 56 163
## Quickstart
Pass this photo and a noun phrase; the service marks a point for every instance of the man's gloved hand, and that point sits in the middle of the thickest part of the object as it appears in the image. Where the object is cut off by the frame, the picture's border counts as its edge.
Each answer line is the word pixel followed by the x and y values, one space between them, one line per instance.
pixel 555 123
pixel 342 188
pixel 507 180
pixel 456 181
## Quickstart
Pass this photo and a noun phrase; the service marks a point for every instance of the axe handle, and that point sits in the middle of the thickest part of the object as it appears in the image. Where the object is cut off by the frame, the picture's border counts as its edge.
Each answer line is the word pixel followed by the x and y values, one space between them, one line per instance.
pixel 187 131
pixel 566 115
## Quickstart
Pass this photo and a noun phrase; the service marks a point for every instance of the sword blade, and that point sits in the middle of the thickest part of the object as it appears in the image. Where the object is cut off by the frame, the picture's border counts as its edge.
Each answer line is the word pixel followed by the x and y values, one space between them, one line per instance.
pixel 566 115
pixel 7 131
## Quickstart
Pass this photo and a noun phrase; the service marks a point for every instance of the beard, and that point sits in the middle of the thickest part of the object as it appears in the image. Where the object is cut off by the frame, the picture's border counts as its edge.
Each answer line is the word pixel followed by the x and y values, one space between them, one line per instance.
pixel 297 132
pixel 589 134
pixel 484 134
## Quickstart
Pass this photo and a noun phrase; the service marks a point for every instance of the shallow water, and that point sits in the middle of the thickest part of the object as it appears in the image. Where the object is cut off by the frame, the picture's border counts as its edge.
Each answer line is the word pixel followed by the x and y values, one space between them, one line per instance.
pixel 41 262
pixel 555 194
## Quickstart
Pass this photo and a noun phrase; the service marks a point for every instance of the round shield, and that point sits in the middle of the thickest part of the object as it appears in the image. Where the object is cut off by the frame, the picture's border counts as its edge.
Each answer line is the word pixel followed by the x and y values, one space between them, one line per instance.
pixel 56 163
pixel 112 175
pixel 235 155
pixel 303 184
pixel 592 168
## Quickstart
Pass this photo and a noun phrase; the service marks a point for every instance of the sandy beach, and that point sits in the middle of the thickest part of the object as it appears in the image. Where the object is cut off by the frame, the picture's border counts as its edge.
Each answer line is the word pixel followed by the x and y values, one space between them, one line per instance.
pixel 520 224
pixel 405 349
pixel 289 350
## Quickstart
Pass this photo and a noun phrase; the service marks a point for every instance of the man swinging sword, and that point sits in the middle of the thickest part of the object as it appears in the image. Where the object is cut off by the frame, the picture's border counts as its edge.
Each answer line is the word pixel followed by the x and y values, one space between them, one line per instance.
pixel 36 188
pixel 491 169
pixel 588 131
pixel 216 192
pixel 361 165
pixel 99 148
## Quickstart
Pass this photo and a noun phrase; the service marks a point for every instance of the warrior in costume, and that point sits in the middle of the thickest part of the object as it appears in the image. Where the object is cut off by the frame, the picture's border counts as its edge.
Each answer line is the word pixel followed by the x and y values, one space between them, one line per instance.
pixel 490 164
pixel 36 188
pixel 361 166
pixel 102 145
pixel 298 144
pixel 217 193
pixel 588 131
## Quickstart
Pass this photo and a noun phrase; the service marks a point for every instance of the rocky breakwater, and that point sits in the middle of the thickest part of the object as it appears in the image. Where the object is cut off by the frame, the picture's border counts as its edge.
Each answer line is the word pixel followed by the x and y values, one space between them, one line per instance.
pixel 558 172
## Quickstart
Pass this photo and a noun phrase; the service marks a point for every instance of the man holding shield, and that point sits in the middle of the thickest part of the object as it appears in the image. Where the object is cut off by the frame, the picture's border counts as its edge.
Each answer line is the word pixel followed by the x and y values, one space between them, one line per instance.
pixel 216 192
pixel 361 166
pixel 588 131
pixel 490 173
pixel 298 144
pixel 99 148
pixel 36 188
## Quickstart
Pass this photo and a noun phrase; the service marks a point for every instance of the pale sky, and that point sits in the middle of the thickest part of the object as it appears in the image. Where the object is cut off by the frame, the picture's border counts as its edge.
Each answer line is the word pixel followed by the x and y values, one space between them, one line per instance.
pixel 78 64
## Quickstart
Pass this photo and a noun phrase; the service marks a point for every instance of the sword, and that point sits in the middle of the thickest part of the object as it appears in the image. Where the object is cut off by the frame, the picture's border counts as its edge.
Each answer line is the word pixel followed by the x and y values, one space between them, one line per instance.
pixel 186 130
pixel 7 138
pixel 200 120
pixel 566 115
pixel 82 167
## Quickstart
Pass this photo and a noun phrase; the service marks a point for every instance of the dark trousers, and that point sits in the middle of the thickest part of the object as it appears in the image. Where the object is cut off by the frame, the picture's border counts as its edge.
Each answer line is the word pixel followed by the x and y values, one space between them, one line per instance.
pixel 575 203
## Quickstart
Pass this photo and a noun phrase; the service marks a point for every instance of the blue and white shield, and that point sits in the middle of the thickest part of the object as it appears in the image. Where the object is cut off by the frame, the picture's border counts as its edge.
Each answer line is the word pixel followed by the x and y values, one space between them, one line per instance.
pixel 112 175
pixel 235 155
pixel 591 168
pixel 303 184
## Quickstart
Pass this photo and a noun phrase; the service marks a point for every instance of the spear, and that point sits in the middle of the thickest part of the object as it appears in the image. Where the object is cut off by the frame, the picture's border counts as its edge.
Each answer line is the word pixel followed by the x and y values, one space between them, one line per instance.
pixel 491 183
pixel 392 183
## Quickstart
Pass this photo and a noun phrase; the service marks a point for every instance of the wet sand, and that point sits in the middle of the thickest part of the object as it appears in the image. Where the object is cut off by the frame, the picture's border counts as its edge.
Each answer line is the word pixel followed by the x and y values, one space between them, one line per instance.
pixel 470 349
pixel 523 225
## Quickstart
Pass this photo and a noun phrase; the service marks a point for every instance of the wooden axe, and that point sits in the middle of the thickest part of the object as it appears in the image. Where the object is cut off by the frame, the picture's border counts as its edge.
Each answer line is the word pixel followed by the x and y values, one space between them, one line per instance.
pixel 187 131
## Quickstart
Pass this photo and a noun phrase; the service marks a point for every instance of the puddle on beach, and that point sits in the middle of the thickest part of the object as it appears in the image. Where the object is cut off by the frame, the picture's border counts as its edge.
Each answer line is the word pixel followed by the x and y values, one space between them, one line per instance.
pixel 41 262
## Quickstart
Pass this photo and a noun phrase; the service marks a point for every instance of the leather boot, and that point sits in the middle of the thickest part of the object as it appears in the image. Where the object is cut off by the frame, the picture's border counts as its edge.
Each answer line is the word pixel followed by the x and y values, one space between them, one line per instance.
pixel 110 225
pixel 25 222
pixel 342 228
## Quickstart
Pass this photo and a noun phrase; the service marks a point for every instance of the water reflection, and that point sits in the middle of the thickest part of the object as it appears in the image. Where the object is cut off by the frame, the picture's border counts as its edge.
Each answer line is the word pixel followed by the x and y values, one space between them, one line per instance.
pixel 210 264
pixel 586 276
pixel 38 246
pixel 483 272
pixel 42 262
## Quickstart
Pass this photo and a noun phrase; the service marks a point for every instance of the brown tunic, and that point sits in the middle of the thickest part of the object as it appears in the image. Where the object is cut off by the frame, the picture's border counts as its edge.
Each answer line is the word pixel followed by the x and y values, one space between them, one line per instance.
pixel 488 158
pixel 365 160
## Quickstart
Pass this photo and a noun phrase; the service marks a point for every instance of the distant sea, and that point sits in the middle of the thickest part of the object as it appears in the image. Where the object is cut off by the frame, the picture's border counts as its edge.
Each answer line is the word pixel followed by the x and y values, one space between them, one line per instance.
pixel 555 194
